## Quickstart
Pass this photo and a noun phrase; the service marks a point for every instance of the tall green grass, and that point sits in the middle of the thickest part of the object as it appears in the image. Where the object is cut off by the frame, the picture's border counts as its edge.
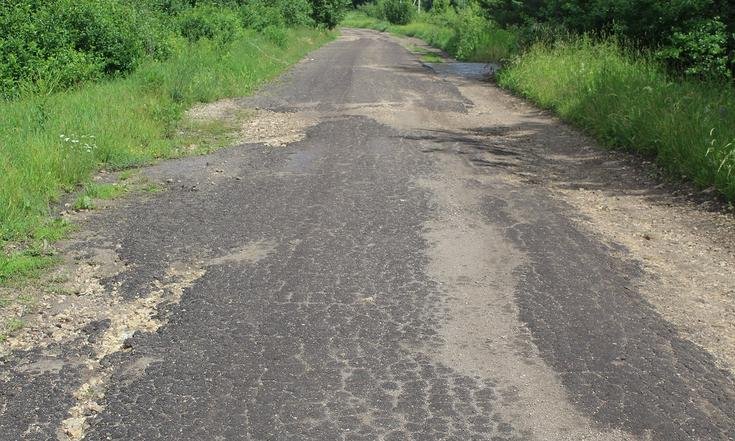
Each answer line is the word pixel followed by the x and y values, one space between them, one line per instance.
pixel 628 101
pixel 52 143
pixel 489 43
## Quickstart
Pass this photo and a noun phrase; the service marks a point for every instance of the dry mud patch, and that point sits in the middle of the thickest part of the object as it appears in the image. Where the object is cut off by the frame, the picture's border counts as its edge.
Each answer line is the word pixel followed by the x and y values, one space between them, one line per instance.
pixel 253 126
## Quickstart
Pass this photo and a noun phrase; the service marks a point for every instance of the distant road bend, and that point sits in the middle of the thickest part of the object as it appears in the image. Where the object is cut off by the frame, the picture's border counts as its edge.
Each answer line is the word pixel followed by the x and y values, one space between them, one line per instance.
pixel 397 254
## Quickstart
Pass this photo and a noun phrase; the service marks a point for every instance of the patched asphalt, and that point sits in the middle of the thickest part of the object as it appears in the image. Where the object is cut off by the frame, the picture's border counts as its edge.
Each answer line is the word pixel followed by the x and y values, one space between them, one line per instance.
pixel 320 314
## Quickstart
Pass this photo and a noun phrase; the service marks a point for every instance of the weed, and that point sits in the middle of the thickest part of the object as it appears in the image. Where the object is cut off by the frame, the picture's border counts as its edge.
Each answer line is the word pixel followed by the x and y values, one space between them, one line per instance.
pixel 432 58
pixel 152 188
pixel 83 202
pixel 92 191
pixel 10 327
pixel 417 49
pixel 206 136
pixel 23 264
pixel 51 230
pixel 88 393
pixel 104 191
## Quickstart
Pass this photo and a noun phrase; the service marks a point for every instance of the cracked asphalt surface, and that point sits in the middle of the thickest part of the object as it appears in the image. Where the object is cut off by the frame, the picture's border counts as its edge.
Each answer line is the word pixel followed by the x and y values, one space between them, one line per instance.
pixel 391 276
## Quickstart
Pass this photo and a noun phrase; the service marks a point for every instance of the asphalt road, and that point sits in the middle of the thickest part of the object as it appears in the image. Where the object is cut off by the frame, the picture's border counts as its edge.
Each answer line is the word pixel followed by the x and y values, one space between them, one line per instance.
pixel 392 273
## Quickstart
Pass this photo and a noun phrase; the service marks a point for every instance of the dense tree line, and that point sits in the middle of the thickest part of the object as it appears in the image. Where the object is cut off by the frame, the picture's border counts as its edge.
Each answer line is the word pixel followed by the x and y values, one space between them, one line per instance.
pixel 695 36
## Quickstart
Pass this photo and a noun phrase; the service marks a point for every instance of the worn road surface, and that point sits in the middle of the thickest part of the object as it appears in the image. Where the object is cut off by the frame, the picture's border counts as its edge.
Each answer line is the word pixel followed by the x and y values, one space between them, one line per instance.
pixel 383 259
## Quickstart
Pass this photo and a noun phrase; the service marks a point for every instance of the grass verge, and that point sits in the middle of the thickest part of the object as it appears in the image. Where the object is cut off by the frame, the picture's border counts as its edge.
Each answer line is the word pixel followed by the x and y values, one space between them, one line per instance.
pixel 50 144
pixel 490 44
pixel 628 102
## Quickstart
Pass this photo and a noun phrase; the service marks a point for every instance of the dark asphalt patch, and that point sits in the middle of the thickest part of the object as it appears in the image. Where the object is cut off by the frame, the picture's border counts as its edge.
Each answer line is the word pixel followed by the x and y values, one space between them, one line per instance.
pixel 36 390
pixel 323 338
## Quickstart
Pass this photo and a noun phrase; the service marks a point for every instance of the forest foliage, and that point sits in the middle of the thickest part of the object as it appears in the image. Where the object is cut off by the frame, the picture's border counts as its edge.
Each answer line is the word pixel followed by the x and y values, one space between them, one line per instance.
pixel 50 45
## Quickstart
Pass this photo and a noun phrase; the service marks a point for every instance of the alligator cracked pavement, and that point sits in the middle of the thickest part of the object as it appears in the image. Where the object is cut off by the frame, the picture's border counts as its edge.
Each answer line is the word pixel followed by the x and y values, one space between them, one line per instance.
pixel 392 253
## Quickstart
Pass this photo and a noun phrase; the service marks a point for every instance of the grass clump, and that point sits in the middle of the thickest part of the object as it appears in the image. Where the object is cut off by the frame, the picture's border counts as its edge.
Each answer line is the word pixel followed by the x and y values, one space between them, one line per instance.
pixel 432 58
pixel 24 264
pixel 34 254
pixel 628 101
pixel 86 199
pixel 104 190
pixel 11 326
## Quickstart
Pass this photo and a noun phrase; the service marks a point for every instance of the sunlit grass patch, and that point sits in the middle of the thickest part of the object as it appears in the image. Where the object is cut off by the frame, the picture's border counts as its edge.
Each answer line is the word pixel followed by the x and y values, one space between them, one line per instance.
pixel 432 58
pixel 628 101
pixel 26 263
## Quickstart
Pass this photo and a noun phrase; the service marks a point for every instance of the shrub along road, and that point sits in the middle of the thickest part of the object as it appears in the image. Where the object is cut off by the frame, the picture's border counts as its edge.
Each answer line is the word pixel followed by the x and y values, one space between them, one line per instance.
pixel 389 254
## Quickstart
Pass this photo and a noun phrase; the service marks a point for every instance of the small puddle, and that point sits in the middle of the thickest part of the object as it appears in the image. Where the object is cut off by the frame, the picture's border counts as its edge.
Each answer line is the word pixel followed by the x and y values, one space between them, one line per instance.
pixel 475 71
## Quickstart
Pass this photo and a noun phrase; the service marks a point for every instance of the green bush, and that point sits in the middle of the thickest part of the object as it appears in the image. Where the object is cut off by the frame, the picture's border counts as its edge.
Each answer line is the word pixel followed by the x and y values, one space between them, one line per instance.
pixel 692 33
pixel 170 7
pixel 106 28
pixel 51 45
pixel 276 35
pixel 296 12
pixel 208 21
pixel 329 13
pixel 260 14
pixel 441 7
pixel 373 9
pixel 398 12
pixel 470 28
pixel 271 18
pixel 157 32
pixel 701 51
